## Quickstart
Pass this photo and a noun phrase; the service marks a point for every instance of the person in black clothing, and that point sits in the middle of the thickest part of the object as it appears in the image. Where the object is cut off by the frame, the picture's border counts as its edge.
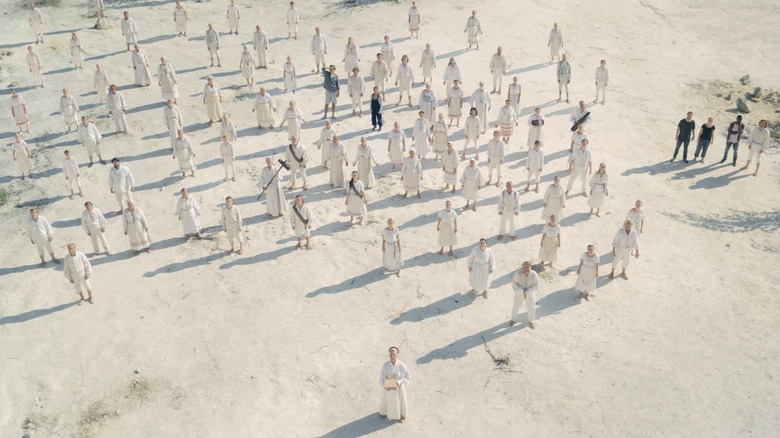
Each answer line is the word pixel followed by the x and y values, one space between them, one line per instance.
pixel 376 109
pixel 733 134
pixel 705 139
pixel 686 131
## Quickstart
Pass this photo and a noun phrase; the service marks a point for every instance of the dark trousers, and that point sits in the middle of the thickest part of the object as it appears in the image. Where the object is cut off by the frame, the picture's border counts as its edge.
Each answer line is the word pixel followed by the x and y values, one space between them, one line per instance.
pixel 682 141
pixel 701 148
pixel 726 152
pixel 376 118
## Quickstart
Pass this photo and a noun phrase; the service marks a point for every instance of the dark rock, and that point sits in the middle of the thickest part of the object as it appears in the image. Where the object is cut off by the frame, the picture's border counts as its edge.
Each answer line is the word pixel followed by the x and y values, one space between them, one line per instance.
pixel 757 92
pixel 742 105
pixel 744 80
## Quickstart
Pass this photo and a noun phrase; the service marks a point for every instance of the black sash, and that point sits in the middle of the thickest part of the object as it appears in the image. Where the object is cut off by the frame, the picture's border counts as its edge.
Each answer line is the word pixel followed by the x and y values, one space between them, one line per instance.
pixel 352 186
pixel 292 152
pixel 300 216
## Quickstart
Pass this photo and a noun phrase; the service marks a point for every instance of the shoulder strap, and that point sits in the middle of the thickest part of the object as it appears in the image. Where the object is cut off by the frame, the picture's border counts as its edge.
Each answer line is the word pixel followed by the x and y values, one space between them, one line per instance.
pixel 292 152
pixel 300 216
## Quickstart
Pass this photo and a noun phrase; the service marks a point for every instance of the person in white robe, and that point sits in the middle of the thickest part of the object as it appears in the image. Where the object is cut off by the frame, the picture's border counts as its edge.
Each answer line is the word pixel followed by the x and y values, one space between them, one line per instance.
pixel 260 43
pixel 535 125
pixel 351 55
pixel 94 224
pixel 290 77
pixel 19 111
pixel 301 219
pixel 508 208
pixel 587 272
pixel 396 145
pixel 183 153
pixel 275 203
pixel 70 170
pixel 41 234
pixel 577 137
pixel 292 21
pixel 551 241
pixel 326 139
pixel 180 19
pixel 227 151
pixel 338 160
pixel 495 153
pixel 101 83
pixel 564 77
pixel 35 66
pixel 471 180
pixel 356 200
pixel 428 102
pixel 474 29
pixel 579 113
pixel 212 98
pixel 121 182
pixel 637 216
pixel 506 121
pixel 580 166
pixel 188 212
pixel 387 49
pixel 233 224
pixel 136 228
pixel 411 174
pixel 514 92
pixel 166 79
pixel 21 154
pixel 480 99
pixel 264 108
pixel 129 31
pixel 625 242
pixel 247 67
pixel 525 283
pixel 140 63
pixel 76 51
pixel 554 200
pixel 391 248
pixel 481 265
pixel 427 63
pixel 405 80
pixel 414 19
pixel 440 137
pixel 365 156
pixel 35 17
pixel 555 42
pixel 90 138
pixel 498 66
pixel 455 102
pixel 212 44
pixel 356 87
pixel 227 128
pixel 447 228
pixel 173 120
pixel 394 396
pixel 599 191
pixel 319 48
pixel 758 144
pixel 451 74
pixel 69 110
pixel 471 129
pixel 293 116
pixel 379 73
pixel 449 167
pixel 534 164
pixel 233 15
pixel 421 135
pixel 77 271
pixel 297 157
pixel 602 80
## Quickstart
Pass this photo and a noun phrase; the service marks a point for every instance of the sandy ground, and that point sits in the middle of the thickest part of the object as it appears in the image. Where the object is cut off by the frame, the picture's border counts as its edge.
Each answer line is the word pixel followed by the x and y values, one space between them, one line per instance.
pixel 191 341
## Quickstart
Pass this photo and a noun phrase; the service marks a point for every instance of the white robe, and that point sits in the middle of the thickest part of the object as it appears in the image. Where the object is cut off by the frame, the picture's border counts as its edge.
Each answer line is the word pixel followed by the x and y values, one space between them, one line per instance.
pixel 232 16
pixel 598 190
pixel 188 211
pixel 229 130
pixel 23 159
pixel 428 102
pixel 293 118
pixel 212 99
pixel 428 63
pixel 290 78
pixel 351 57
pixel 480 263
pixel 365 159
pixel 548 252
pixel 135 225
pixel 180 19
pixel 101 84
pixel 555 199
pixel 474 28
pixel 451 72
pixel 247 65
pixel 397 146
pixel 586 279
pixel 338 156
pixel 405 77
pixel 275 203
pixel 480 100
pixel 300 229
pixel 447 234
pixel 535 131
pixel 455 105
pixel 69 110
pixel 472 181
pixel 182 151
pixel 449 162
pixel 391 259
pixel 421 134
pixel 555 41
pixel 400 373
pixel 129 31
pixel 265 107
pixel 355 204
pixel 140 63
pixel 77 270
pixel 173 121
pixel 260 41
pixel 411 171
pixel 166 77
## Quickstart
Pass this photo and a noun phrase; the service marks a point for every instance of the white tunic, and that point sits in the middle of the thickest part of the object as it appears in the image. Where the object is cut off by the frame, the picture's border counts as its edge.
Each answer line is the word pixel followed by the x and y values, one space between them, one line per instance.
pixel 229 130
pixel 449 162
pixel 602 76
pixel 69 109
pixel 70 168
pixel 411 171
pixel 135 226
pixel 351 57
pixel 495 153
pixel 365 159
pixel 120 180
pixel 586 279
pixel 232 16
pixel 264 107
pixel 355 193
pixel 420 135
pixel 535 130
pixel 101 83
pixel 275 203
pixel 480 264
pixel 447 234
pixel 480 100
pixel 392 253
pixel 472 181
pixel 554 200
pixel 388 54
pixel 182 151
pixel 549 249
pixel 180 18
pixel 166 77
pixel 397 146
pixel 636 216
pixel 498 64
pixel 293 118
pixel 598 190
pixel 474 28
pixel 23 159
pixel 472 127
pixel 555 41
pixel 129 31
pixel 451 72
pixel 299 227
pixel 140 64
pixel 188 211
pixel 75 268
pixel 428 63
pixel 535 160
pixel 212 98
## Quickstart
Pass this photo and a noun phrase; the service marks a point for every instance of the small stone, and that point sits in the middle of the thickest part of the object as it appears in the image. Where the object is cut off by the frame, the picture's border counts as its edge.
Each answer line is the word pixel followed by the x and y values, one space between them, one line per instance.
pixel 117 412
pixel 744 80
pixel 742 105
pixel 757 92
pixel 137 372
pixel 728 97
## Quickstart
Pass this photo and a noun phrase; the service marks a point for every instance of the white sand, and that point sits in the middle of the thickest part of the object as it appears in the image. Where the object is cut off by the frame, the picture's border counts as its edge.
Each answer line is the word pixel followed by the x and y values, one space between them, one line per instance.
pixel 246 346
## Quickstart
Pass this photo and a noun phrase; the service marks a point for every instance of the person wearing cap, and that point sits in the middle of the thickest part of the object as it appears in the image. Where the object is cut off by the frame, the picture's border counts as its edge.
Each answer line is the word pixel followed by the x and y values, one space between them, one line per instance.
pixel 331 85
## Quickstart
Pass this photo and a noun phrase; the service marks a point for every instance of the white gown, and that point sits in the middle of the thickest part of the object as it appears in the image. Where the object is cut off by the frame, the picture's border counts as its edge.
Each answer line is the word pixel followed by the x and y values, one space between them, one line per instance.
pixel 187 210
pixel 392 254
pixel 447 234
pixel 480 263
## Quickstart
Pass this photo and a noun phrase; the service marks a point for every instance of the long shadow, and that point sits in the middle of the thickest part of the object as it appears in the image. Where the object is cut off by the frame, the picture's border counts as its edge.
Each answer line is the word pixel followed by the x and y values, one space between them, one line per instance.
pixel 156 39
pixel 167 181
pixel 127 87
pixel 155 136
pixel 15 45
pixel 734 221
pixel 18 90
pixel 17 269
pixel 145 155
pixel 205 186
pixel 660 167
pixel 693 172
pixel 356 282
pixel 715 182
pixel 64 144
pixel 276 40
pixel 136 3
pixel 66 224
pixel 528 68
pixel 452 54
pixel 41 201
pixel 104 55
pixel 272 255
pixel 26 316
pixel 444 306
pixel 367 425
pixel 221 74
pixel 60 32
pixel 148 106
pixel 58 71
pixel 563 111
pixel 574 219
pixel 180 266
pixel 190 70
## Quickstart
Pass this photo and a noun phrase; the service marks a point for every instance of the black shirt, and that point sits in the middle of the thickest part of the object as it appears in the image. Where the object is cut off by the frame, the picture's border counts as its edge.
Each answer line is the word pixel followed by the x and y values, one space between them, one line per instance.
pixel 686 128
pixel 706 133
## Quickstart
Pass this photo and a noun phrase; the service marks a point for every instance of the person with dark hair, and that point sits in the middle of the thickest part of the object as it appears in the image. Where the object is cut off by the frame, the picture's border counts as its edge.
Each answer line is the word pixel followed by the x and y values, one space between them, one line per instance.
pixel 393 379
pixel 391 248
pixel 525 284
pixel 471 127
pixel 301 219
pixel 232 222
pixel 686 131
pixel 481 265
pixel 94 224
pixel 733 135
pixel 356 199
pixel 376 110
